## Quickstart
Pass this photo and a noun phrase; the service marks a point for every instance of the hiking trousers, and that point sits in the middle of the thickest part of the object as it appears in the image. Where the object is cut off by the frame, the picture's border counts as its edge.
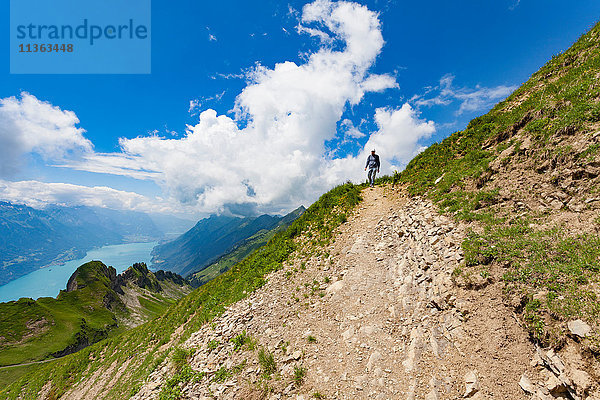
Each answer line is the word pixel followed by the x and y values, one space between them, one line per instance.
pixel 371 176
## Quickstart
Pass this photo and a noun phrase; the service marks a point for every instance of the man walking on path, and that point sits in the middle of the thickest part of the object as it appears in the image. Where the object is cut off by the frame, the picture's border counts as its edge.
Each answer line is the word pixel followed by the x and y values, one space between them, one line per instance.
pixel 373 166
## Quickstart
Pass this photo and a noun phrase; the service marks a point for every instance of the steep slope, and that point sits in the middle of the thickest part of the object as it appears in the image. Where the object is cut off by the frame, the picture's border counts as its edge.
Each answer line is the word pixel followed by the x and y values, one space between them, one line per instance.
pixel 375 314
pixel 526 176
pixel 496 299
pixel 95 303
pixel 242 249
pixel 208 240
pixel 116 367
pixel 31 238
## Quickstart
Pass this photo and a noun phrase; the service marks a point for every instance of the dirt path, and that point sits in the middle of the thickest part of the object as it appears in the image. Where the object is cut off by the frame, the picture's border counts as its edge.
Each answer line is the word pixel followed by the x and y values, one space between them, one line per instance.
pixel 379 318
pixel 29 363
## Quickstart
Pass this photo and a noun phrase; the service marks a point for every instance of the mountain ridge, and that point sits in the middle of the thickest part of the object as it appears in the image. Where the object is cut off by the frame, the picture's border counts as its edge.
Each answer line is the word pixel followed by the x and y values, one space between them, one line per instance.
pixel 96 302
pixel 210 239
pixel 241 249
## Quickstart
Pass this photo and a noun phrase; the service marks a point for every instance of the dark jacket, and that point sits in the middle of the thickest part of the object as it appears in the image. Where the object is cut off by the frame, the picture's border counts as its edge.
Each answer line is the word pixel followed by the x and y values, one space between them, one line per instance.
pixel 372 161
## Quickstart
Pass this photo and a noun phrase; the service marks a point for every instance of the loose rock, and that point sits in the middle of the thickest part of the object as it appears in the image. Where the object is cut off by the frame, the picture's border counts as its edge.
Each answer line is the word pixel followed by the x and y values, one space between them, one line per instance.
pixel 526 384
pixel 471 384
pixel 579 328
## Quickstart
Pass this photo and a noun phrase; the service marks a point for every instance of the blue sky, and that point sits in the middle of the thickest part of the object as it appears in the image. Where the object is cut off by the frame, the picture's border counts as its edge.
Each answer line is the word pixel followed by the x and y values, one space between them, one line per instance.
pixel 439 64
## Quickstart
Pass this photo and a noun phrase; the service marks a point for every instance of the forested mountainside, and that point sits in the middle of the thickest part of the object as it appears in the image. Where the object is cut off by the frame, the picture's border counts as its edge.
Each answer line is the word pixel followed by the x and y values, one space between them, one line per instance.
pixel 212 238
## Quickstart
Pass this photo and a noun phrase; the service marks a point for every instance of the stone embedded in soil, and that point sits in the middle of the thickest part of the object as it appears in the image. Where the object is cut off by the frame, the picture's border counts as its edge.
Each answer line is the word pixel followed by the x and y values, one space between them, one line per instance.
pixel 471 383
pixel 373 360
pixel 536 360
pixel 335 287
pixel 581 379
pixel 555 386
pixel 553 361
pixel 295 356
pixel 526 384
pixel 579 328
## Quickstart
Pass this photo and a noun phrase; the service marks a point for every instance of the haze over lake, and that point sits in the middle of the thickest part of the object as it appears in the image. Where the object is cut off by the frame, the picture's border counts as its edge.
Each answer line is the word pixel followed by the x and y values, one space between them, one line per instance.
pixel 47 282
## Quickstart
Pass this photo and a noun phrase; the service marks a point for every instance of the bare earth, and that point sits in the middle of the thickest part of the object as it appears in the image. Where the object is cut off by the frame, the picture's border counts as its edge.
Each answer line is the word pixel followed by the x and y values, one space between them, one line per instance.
pixel 389 323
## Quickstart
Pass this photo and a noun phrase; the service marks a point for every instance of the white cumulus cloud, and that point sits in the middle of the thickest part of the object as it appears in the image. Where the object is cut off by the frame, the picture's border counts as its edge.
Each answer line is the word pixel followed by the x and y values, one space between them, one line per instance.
pixel 28 125
pixel 40 194
pixel 271 155
pixel 396 141
pixel 399 134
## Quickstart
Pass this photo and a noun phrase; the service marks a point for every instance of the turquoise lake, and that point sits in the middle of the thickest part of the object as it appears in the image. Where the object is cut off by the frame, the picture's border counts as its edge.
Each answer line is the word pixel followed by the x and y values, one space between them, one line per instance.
pixel 47 282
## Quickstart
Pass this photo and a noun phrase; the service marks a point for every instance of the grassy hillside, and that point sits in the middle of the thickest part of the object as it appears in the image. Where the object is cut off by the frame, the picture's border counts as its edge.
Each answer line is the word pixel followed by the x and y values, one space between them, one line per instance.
pixel 259 239
pixel 224 263
pixel 92 308
pixel 143 349
pixel 37 329
pixel 526 176
pixel 208 240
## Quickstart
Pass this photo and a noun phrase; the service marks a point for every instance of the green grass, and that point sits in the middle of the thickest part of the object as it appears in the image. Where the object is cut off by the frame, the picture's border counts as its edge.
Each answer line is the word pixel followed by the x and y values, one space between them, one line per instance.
pixel 180 357
pixel 267 363
pixel 221 375
pixel 9 375
pixel 141 346
pixel 171 389
pixel 299 375
pixel 155 305
pixel 242 340
pixel 548 261
pixel 70 318
pixel 559 100
pixel 227 261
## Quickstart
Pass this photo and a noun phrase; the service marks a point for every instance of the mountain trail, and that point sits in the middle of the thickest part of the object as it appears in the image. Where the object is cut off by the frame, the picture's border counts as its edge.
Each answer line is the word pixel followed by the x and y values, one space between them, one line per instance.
pixel 374 316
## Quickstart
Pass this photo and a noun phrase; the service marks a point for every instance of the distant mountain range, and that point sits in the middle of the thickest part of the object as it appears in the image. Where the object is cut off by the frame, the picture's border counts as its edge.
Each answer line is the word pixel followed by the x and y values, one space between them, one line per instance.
pixel 216 237
pixel 241 250
pixel 170 226
pixel 32 238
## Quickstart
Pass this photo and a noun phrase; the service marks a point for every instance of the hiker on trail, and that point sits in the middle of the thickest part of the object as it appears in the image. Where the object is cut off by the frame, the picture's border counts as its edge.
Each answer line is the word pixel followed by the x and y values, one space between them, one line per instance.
pixel 373 166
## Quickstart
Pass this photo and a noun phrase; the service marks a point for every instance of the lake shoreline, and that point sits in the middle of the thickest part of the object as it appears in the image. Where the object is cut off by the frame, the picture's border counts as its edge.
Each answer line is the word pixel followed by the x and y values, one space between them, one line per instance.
pixel 49 280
